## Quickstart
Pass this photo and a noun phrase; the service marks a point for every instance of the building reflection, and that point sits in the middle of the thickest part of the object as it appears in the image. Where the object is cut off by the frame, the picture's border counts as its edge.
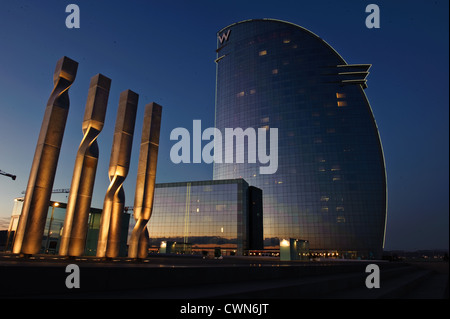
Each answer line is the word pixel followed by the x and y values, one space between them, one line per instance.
pixel 209 215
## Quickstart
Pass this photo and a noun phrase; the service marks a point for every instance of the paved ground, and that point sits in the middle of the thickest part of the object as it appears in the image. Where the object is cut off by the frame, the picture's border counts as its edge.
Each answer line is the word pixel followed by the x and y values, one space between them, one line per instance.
pixel 187 277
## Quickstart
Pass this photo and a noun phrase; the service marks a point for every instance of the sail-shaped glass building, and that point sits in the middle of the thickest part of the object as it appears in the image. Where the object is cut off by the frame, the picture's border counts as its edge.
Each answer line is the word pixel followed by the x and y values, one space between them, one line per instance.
pixel 330 185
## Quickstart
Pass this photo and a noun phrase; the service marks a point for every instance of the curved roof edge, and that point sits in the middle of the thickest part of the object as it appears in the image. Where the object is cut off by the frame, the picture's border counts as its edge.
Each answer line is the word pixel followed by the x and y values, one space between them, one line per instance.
pixel 286 22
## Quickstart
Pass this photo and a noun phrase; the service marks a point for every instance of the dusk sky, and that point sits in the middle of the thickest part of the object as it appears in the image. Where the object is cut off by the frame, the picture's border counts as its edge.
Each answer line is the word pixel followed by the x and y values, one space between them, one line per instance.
pixel 165 51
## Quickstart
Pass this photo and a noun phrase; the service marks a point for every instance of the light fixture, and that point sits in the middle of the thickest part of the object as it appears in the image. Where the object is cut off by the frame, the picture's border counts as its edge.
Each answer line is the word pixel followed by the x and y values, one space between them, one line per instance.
pixel 284 243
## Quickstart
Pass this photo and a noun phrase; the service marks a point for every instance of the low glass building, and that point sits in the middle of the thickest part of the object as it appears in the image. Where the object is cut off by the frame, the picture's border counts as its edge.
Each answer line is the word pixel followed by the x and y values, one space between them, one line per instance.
pixel 188 217
pixel 54 224
pixel 206 216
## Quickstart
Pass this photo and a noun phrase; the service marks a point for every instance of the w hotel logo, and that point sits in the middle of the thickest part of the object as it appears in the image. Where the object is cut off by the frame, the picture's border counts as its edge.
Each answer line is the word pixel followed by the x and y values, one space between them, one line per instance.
pixel 224 36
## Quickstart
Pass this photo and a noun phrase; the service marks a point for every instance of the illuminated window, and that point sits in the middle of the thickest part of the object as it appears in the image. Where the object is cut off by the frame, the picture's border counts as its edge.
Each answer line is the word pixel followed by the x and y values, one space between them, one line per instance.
pixel 324 209
pixel 263 52
pixel 287 41
pixel 340 219
pixel 340 95
pixel 341 103
pixel 252 91
pixel 340 208
pixel 336 178
pixel 336 168
pixel 275 71
pixel 240 94
pixel 324 198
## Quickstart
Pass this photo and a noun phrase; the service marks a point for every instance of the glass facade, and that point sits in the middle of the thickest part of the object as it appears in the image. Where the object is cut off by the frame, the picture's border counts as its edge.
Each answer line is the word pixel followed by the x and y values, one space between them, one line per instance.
pixel 206 215
pixel 330 186
pixel 54 224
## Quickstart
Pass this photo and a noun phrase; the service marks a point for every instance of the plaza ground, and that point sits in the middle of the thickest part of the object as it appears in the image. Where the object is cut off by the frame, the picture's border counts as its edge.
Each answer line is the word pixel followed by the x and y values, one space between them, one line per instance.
pixel 189 277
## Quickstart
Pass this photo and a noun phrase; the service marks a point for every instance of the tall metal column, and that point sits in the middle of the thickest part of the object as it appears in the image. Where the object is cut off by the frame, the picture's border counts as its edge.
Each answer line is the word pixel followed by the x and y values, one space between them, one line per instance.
pixel 77 214
pixel 145 183
pixel 28 239
pixel 113 206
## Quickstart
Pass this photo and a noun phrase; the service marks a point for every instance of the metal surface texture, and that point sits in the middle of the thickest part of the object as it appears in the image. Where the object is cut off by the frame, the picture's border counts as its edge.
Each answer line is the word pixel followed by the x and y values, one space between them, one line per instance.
pixel 77 214
pixel 28 238
pixel 145 182
pixel 113 206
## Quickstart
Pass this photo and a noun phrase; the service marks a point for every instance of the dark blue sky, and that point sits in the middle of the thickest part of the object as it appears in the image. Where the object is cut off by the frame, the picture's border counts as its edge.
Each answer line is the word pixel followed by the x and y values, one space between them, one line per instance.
pixel 165 51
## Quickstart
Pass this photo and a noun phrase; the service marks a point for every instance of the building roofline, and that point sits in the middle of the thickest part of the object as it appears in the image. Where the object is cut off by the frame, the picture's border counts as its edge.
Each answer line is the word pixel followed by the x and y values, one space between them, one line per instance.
pixel 289 23
pixel 202 182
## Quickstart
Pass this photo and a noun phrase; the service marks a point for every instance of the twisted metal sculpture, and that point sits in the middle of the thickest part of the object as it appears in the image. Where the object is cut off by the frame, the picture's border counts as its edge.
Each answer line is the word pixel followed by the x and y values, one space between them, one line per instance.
pixel 28 238
pixel 113 205
pixel 77 213
pixel 145 182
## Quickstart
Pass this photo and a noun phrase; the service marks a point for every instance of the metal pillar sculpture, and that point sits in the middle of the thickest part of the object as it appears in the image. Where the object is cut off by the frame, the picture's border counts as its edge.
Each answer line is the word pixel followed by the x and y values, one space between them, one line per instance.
pixel 73 238
pixel 113 206
pixel 28 238
pixel 145 183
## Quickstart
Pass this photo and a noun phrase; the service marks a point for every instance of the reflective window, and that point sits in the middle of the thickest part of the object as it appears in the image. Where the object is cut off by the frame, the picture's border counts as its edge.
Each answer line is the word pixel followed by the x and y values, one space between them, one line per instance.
pixel 207 215
pixel 330 161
